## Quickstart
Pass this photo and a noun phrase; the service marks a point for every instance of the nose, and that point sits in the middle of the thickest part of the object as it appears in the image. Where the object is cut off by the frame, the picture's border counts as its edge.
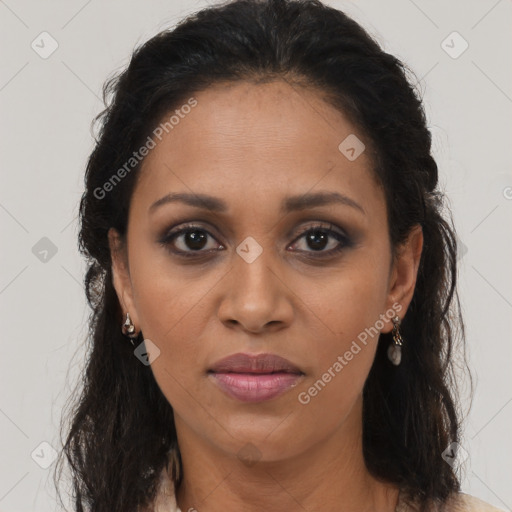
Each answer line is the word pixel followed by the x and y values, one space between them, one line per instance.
pixel 255 297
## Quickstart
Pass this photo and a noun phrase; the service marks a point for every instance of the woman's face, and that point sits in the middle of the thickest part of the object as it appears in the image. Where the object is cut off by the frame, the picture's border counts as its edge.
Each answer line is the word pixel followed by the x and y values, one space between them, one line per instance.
pixel 247 277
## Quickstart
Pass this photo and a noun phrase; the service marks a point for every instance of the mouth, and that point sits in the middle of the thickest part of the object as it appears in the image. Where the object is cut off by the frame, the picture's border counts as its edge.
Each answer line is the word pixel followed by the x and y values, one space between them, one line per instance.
pixel 255 378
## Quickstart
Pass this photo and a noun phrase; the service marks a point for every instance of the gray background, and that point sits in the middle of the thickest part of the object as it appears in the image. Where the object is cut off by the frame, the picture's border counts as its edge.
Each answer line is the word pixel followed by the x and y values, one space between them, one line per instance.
pixel 46 109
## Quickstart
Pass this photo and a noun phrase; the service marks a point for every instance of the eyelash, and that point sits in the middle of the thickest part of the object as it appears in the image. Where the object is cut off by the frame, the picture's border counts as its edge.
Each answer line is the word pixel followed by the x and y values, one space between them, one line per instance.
pixel 170 237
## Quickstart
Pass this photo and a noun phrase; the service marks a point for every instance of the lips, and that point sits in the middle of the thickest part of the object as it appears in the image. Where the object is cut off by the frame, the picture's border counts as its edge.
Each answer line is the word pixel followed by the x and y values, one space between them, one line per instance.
pixel 258 363
pixel 254 378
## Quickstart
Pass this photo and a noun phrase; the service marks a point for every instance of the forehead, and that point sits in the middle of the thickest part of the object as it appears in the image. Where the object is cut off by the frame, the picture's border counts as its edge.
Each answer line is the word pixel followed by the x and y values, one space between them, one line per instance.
pixel 244 139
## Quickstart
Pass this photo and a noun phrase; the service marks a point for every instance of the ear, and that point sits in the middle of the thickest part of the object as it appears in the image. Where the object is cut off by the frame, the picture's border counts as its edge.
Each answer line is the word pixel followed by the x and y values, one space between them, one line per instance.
pixel 121 276
pixel 404 273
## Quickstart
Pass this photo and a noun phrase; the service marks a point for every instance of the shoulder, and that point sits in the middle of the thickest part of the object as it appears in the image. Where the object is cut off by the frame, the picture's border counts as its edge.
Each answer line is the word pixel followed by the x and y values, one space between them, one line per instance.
pixel 467 503
pixel 166 498
pixel 457 502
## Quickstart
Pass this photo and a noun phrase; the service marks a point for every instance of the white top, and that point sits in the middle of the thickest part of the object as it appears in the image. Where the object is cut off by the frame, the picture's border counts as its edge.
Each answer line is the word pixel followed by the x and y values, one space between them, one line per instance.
pixel 459 502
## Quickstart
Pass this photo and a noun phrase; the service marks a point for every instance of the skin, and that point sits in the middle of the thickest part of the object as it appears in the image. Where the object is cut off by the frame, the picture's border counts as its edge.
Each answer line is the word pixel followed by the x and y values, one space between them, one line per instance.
pixel 253 145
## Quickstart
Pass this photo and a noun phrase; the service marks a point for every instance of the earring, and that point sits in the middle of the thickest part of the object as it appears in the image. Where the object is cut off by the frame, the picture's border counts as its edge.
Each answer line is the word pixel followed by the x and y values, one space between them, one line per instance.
pixel 128 329
pixel 395 349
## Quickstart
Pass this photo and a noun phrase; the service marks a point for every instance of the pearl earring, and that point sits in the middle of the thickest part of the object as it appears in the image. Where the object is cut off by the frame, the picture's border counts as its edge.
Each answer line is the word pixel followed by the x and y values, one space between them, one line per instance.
pixel 395 349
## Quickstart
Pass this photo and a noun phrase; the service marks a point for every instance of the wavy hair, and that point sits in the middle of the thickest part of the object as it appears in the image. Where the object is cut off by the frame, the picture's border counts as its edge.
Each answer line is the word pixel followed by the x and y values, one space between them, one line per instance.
pixel 121 431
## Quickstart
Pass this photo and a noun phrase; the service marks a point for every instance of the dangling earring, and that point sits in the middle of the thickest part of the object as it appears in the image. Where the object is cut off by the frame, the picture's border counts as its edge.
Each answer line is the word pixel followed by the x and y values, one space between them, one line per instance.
pixel 395 349
pixel 128 329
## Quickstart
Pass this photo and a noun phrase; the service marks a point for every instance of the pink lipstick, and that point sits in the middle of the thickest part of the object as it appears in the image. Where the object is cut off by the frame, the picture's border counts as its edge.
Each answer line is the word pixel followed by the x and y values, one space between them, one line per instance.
pixel 255 378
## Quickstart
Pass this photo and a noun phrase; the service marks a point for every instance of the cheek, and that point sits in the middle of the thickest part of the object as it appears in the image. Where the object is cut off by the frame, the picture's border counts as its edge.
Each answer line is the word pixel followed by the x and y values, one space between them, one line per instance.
pixel 342 363
pixel 173 314
pixel 180 367
pixel 170 299
pixel 351 300
pixel 349 307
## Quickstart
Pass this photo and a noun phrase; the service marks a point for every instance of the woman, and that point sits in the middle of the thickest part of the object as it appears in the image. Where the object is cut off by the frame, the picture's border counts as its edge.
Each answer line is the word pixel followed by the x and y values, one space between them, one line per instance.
pixel 272 280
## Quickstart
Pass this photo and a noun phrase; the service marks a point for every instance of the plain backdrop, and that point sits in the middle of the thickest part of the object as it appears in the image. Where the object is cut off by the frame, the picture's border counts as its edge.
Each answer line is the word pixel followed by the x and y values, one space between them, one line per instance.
pixel 47 105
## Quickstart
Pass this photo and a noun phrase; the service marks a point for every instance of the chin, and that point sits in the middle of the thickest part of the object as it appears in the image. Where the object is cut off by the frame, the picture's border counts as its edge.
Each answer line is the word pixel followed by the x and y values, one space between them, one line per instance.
pixel 264 444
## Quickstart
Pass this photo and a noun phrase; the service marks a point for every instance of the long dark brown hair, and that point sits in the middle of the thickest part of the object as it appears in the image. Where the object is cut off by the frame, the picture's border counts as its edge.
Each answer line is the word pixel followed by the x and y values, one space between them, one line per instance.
pixel 121 428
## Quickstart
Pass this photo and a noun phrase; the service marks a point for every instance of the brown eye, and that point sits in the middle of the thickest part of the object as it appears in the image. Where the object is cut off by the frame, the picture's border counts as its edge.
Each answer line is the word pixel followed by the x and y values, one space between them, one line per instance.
pixel 190 239
pixel 323 240
pixel 194 240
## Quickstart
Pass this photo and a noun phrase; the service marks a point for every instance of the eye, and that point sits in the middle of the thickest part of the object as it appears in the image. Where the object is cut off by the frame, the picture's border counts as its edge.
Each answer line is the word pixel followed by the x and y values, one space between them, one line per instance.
pixel 320 237
pixel 190 239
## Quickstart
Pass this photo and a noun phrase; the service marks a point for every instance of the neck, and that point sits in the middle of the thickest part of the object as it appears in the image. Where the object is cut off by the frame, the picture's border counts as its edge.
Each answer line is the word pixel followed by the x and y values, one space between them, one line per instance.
pixel 329 476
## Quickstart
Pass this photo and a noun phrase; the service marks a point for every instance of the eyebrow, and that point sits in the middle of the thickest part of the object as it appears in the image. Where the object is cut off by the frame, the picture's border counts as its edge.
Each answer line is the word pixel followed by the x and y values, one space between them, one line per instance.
pixel 289 204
